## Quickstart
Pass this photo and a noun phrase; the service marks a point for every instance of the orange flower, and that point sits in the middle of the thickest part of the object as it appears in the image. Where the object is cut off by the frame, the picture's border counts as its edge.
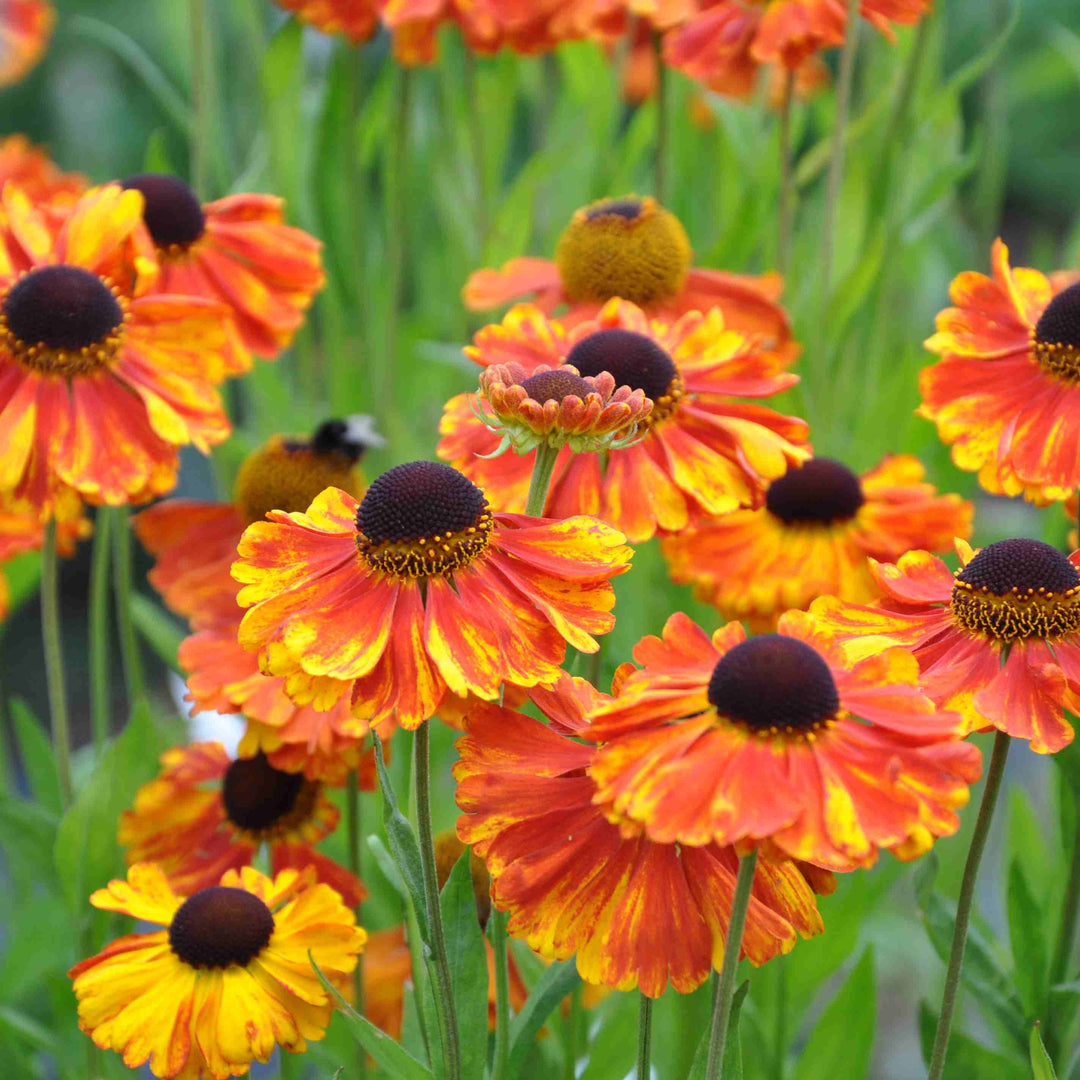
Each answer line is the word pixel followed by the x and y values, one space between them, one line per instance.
pixel 205 814
pixel 102 398
pixel 237 251
pixel 813 536
pixel 195 546
pixel 30 168
pixel 701 446
pixel 1006 394
pixel 999 642
pixel 419 590
pixel 25 29
pixel 637 913
pixel 634 249
pixel 781 740
pixel 357 20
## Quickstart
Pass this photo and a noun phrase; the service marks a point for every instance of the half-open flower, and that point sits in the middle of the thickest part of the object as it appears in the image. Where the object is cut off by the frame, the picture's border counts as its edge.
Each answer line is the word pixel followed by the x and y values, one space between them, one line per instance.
pixel 557 406
pixel 998 641
pixel 781 740
pixel 419 590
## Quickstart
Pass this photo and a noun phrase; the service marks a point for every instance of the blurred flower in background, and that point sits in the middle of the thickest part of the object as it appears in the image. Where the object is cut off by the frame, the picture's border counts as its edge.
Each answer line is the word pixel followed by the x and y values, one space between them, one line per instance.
pixel 25 29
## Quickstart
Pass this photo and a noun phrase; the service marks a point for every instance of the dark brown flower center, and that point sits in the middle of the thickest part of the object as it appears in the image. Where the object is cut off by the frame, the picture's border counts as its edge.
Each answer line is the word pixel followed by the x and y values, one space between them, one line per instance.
pixel 422 518
pixel 220 926
pixel 819 492
pixel 1018 588
pixel 774 684
pixel 172 212
pixel 629 208
pixel 62 320
pixel 261 799
pixel 555 385
pixel 633 360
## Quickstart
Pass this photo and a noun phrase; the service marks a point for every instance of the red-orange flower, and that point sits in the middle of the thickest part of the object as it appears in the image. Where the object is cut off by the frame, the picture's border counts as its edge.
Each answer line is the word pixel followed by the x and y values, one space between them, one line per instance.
pixel 25 29
pixel 195 546
pixel 1006 393
pixel 357 20
pixel 701 447
pixel 813 536
pixel 637 913
pixel 781 740
pixel 30 168
pixel 205 814
pixel 634 249
pixel 101 398
pixel 420 590
pixel 237 251
pixel 999 642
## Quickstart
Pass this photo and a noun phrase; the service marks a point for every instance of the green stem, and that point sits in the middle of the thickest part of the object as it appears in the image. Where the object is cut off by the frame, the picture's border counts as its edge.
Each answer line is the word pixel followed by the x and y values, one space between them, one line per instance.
pixel 54 662
pixel 444 992
pixel 1063 948
pixel 129 640
pixel 714 1065
pixel 967 894
pixel 202 132
pixel 570 1030
pixel 660 149
pixel 784 209
pixel 781 1019
pixel 352 819
pixel 644 1041
pixel 836 154
pixel 358 188
pixel 497 932
pixel 541 479
pixel 98 630
pixel 476 144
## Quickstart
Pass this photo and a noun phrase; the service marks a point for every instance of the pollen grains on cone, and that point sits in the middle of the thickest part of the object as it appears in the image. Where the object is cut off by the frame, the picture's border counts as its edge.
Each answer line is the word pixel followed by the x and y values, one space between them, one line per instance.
pixel 220 926
pixel 172 212
pixel 61 320
pixel 1018 588
pixel 422 518
pixel 261 799
pixel 627 247
pixel 774 684
pixel 555 385
pixel 821 491
pixel 1056 337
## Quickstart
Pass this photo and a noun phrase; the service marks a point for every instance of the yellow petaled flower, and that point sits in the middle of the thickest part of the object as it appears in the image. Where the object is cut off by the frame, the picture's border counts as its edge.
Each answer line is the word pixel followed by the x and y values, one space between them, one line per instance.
pixel 558 407
pixel 225 980
pixel 419 591
pixel 819 526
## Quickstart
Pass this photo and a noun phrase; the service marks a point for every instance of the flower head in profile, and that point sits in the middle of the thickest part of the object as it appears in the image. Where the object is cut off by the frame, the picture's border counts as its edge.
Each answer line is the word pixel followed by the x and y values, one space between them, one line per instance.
pixel 227 977
pixel 998 641
pixel 31 169
pixel 205 814
pixel 637 913
pixel 418 591
pixel 100 382
pixel 356 20
pixel 813 536
pixel 557 406
pixel 781 740
pixel 25 29
pixel 702 445
pixel 195 543
pixel 236 251
pixel 632 248
pixel 1006 392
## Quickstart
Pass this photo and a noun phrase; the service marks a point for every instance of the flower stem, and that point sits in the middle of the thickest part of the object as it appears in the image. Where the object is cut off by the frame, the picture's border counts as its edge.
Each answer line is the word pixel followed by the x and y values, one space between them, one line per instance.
pixel 714 1065
pixel 444 991
pixel 1063 947
pixel 660 149
pixel 352 818
pixel 54 662
pixel 129 641
pixel 98 630
pixel 497 930
pixel 785 203
pixel 963 907
pixel 541 479
pixel 644 1039
pixel 476 146
pixel 202 134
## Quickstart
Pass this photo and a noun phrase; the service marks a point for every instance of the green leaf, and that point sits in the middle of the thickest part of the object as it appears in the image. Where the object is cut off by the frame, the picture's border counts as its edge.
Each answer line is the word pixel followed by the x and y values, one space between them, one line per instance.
pixel 162 632
pixel 403 843
pixel 23 574
pixel 28 1030
pixel 156 155
pixel 1042 1068
pixel 36 754
pixel 467 956
pixel 733 1064
pixel 556 982
pixel 614 1050
pixel 26 830
pixel 843 1039
pixel 967 1059
pixel 391 1057
pixel 1027 939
